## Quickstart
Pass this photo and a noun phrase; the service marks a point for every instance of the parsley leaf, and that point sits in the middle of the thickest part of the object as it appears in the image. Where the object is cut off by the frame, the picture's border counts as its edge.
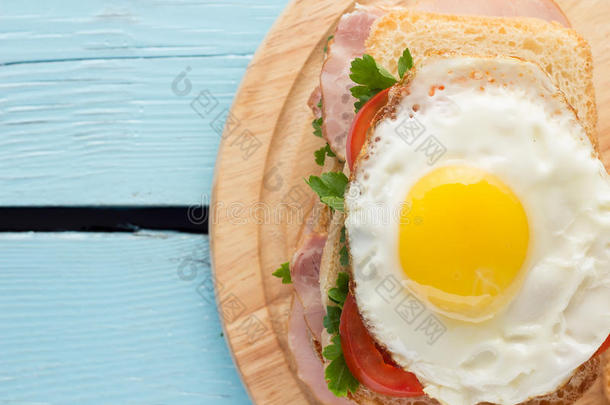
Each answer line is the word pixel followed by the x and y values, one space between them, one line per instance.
pixel 284 273
pixel 336 203
pixel 338 377
pixel 330 187
pixel 332 319
pixel 372 78
pixel 340 380
pixel 339 293
pixel 342 239
pixel 360 91
pixel 317 127
pixel 327 42
pixel 344 256
pixel 367 72
pixel 321 154
pixel 363 94
pixel 336 182
pixel 405 63
pixel 333 351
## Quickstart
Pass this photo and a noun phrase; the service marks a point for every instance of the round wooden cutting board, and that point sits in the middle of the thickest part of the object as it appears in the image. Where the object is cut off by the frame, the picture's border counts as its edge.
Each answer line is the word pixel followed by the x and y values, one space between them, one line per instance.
pixel 267 150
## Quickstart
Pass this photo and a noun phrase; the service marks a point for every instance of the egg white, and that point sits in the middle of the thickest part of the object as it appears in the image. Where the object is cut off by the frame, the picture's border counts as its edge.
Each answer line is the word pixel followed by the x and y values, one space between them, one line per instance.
pixel 506 117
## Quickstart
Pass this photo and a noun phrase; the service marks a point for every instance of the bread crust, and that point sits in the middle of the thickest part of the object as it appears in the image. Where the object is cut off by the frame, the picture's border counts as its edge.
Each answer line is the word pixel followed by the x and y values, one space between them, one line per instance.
pixel 606 375
pixel 582 380
pixel 402 88
pixel 561 52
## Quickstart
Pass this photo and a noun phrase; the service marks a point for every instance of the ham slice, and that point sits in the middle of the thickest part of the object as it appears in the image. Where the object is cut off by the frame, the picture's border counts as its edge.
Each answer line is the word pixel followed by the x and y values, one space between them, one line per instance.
pixel 313 103
pixel 310 368
pixel 305 273
pixel 337 101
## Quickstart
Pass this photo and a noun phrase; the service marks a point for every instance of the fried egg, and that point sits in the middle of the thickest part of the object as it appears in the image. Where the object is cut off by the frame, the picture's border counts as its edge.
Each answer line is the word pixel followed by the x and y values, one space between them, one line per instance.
pixel 478 223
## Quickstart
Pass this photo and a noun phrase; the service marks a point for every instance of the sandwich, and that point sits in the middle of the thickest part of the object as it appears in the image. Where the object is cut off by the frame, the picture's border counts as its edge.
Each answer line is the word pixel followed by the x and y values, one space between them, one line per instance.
pixel 460 249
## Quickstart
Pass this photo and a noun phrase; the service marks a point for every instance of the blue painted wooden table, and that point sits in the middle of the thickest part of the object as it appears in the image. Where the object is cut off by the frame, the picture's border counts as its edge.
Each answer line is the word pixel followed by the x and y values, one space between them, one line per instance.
pixel 95 111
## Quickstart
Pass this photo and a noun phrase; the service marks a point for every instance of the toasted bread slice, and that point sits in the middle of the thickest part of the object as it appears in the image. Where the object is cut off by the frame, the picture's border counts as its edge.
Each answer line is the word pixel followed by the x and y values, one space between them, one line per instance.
pixel 570 394
pixel 559 51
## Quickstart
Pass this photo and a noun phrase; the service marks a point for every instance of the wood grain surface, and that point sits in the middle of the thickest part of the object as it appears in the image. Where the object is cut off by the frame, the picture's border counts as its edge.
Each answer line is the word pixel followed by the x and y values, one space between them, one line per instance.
pixel 89 114
pixel 111 319
pixel 246 245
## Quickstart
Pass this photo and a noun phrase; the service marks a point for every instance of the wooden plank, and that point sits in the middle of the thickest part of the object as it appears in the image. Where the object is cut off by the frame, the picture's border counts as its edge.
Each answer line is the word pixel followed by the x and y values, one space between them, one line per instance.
pixel 109 131
pixel 97 29
pixel 89 111
pixel 245 250
pixel 111 318
pixel 272 104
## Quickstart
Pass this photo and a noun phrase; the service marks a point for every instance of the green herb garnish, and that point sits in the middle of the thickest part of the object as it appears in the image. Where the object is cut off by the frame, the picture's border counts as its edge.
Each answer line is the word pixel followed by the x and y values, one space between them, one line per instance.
pixel 284 273
pixel 317 127
pixel 373 78
pixel 330 187
pixel 332 319
pixel 344 256
pixel 327 42
pixel 367 72
pixel 339 379
pixel 405 63
pixel 338 376
pixel 333 351
pixel 339 293
pixel 321 154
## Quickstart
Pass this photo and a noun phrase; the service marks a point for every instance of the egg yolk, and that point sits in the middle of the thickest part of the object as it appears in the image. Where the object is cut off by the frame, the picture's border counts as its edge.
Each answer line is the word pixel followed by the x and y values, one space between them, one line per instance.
pixel 463 241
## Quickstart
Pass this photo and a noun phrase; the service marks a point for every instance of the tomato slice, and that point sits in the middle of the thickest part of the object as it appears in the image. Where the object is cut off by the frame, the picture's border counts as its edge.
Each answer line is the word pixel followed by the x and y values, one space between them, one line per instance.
pixel 362 123
pixel 367 363
pixel 605 346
